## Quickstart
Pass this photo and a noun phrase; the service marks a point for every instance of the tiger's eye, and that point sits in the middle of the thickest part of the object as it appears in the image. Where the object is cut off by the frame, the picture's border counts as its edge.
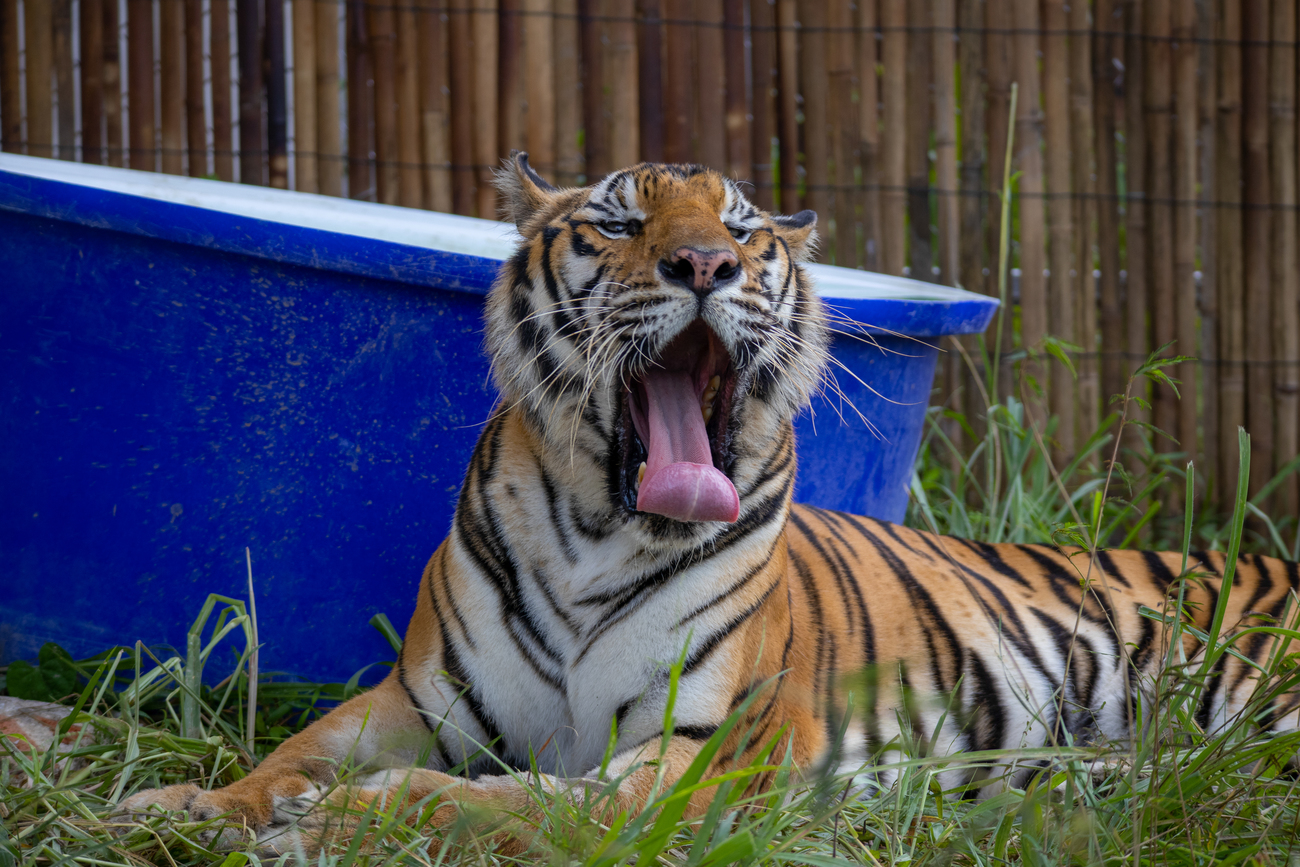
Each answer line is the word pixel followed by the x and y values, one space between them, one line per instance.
pixel 739 233
pixel 615 228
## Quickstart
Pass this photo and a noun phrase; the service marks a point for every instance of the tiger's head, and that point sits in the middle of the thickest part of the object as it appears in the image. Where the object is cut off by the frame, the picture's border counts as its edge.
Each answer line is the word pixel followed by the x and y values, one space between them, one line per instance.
pixel 657 325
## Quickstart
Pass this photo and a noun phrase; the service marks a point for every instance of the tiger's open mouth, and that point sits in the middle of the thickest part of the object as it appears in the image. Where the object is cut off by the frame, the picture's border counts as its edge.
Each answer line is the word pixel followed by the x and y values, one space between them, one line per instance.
pixel 676 447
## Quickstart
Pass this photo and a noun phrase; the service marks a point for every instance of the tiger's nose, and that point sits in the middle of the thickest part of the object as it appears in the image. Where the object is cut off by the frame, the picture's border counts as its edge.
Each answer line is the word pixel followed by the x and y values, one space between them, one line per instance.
pixel 699 270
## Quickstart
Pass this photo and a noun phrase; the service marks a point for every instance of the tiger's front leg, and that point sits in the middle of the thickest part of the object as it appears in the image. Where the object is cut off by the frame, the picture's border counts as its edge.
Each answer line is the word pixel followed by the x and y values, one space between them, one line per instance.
pixel 377 725
pixel 507 808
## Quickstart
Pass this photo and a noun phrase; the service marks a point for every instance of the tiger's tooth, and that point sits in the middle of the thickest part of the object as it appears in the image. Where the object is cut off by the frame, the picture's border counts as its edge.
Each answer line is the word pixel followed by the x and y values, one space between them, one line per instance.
pixel 715 383
pixel 708 413
pixel 640 473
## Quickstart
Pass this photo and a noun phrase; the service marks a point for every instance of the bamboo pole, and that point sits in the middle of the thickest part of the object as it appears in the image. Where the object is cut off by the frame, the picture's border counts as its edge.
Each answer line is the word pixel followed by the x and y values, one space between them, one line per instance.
pixel 1286 262
pixel 383 52
pixel 569 160
pixel 304 97
pixel 361 115
pixel 11 116
pixel 1063 286
pixel 763 104
pixel 1158 110
pixel 813 74
pixel 650 81
pixel 510 81
pixel 1135 307
pixel 943 68
pixel 595 124
pixel 459 48
pixel 621 73
pixel 248 33
pixel 788 104
pixel 223 164
pixel 196 126
pixel 920 78
pixel 92 80
pixel 277 98
pixel 1029 162
pixel 1207 111
pixel 38 24
pixel 139 82
pixel 679 101
pixel 869 130
pixel 1184 247
pixel 972 204
pixel 1107 50
pixel 1000 72
pixel 843 131
pixel 539 61
pixel 1260 409
pixel 434 116
pixel 410 193
pixel 945 140
pixel 329 162
pixel 66 116
pixel 740 162
pixel 710 115
pixel 1230 268
pixel 112 84
pixel 1083 182
pixel 171 79
pixel 485 25
pixel 893 24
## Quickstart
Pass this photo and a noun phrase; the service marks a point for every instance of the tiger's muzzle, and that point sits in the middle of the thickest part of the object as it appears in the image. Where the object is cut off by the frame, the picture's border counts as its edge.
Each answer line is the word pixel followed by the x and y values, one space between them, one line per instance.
pixel 675 432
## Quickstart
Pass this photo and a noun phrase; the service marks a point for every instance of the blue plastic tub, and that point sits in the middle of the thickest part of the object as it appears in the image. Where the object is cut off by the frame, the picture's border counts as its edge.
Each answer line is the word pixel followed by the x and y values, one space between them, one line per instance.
pixel 191 367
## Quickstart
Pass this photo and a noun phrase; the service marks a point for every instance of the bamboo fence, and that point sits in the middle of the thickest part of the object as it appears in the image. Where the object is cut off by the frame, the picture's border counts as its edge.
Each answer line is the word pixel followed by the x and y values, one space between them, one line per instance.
pixel 1155 147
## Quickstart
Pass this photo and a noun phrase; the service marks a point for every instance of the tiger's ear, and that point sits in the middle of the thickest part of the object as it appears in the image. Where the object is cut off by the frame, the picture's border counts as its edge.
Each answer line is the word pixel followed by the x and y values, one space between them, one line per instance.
pixel 799 231
pixel 523 192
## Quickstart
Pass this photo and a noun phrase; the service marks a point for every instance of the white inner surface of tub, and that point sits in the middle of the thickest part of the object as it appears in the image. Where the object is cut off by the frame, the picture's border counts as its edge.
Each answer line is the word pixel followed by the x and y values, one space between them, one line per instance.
pixel 467 235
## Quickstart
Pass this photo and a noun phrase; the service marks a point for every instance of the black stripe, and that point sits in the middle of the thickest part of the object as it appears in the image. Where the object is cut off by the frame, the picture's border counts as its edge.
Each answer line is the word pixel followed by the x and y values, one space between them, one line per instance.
pixel 777 464
pixel 809 582
pixel 695 732
pixel 701 654
pixel 456 671
pixel 990 554
pixel 624 709
pixel 1159 572
pixel 1007 618
pixel 728 592
pixel 410 693
pixel 455 609
pixel 832 559
pixel 1109 568
pixel 1263 586
pixel 1064 582
pixel 938 631
pixel 987 704
pixel 748 523
pixel 487 547
pixel 553 508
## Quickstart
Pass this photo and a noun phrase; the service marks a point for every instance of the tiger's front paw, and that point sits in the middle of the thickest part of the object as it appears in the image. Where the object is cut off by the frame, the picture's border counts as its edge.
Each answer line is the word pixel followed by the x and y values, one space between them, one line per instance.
pixel 236 819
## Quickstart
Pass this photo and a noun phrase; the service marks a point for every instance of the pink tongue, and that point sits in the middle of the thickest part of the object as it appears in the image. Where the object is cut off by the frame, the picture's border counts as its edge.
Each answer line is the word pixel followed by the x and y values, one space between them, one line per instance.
pixel 680 479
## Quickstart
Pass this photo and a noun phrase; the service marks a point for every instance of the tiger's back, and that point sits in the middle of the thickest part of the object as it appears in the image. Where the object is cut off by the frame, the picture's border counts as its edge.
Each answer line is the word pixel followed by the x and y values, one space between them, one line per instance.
pixel 1038 644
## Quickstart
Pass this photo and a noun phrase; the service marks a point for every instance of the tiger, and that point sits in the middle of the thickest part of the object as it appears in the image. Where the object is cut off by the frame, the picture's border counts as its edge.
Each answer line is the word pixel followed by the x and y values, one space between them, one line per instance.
pixel 625 536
